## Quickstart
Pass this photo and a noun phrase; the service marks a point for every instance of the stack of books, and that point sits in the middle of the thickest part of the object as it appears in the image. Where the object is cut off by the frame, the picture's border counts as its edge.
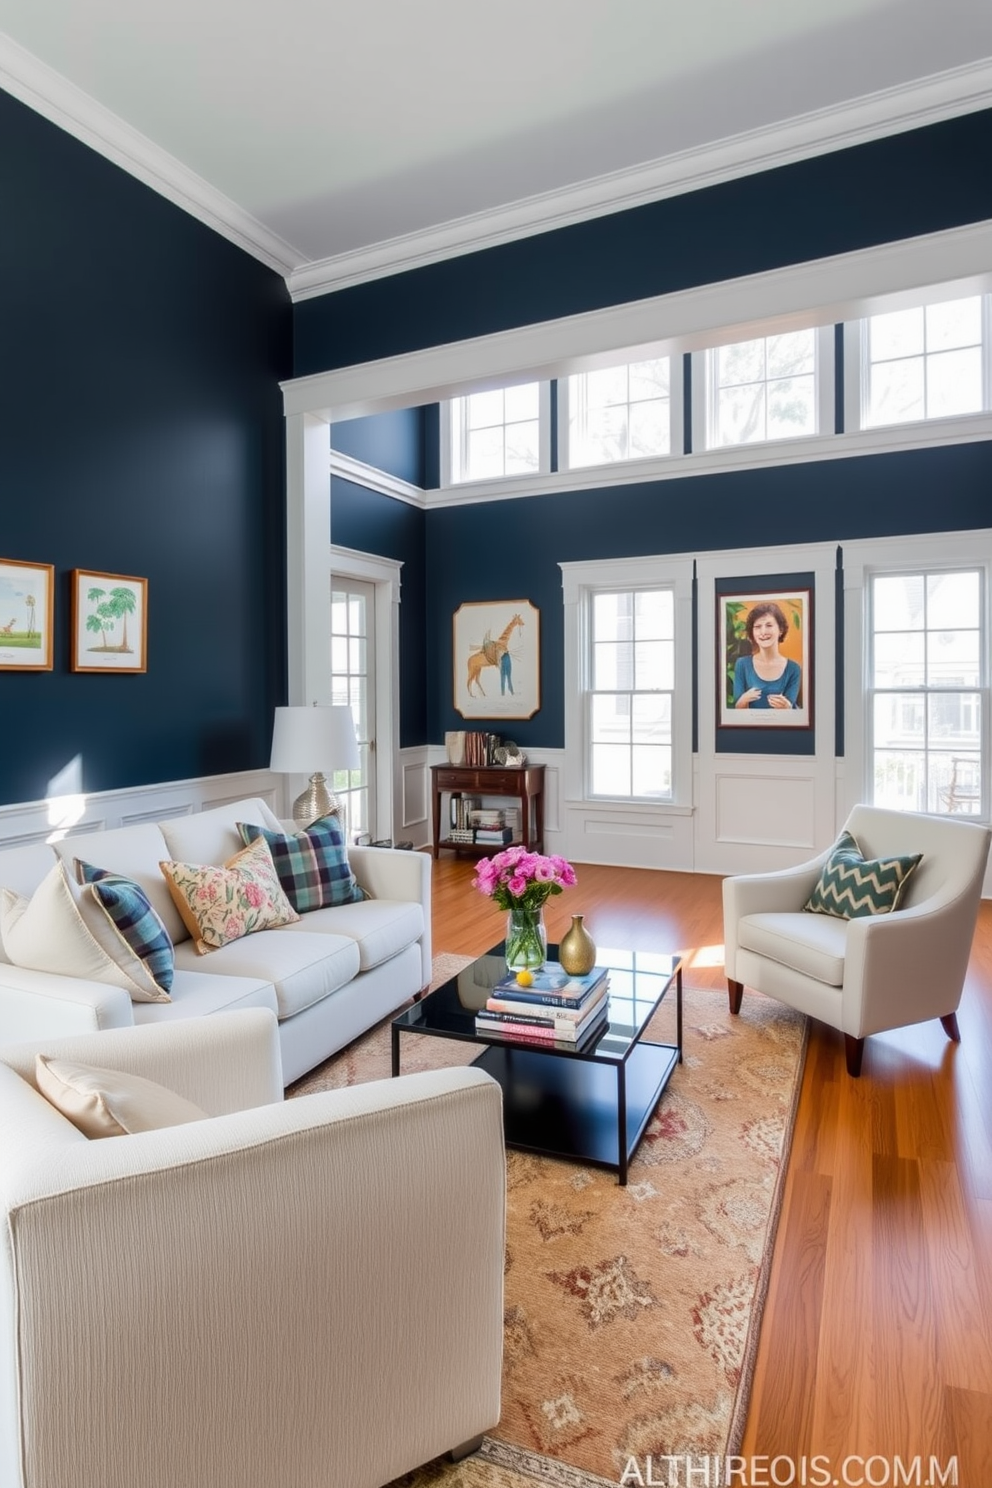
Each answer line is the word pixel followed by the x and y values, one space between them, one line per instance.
pixel 490 826
pixel 554 1008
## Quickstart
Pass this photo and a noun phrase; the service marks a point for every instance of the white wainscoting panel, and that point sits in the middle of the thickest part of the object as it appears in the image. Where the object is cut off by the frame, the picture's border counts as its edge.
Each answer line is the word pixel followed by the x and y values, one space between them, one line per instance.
pixel 766 811
pixel 414 802
pixel 68 816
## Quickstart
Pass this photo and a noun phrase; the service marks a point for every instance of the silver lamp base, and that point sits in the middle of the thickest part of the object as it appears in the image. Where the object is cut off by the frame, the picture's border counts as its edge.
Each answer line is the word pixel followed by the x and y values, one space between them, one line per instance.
pixel 316 801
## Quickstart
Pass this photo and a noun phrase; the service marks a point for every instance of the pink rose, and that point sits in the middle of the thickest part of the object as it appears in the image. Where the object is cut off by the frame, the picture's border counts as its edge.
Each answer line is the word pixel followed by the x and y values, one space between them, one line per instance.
pixel 517 886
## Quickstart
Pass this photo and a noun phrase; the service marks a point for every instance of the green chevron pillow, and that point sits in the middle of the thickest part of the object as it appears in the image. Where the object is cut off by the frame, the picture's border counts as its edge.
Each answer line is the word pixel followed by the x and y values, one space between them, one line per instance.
pixel 852 885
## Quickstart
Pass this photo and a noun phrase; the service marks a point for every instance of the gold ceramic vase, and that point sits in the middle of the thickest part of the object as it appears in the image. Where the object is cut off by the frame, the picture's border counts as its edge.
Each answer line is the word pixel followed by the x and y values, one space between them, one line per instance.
pixel 577 950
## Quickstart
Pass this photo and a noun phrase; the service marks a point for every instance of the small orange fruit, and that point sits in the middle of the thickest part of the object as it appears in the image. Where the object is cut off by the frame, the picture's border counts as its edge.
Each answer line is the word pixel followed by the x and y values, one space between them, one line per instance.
pixel 525 979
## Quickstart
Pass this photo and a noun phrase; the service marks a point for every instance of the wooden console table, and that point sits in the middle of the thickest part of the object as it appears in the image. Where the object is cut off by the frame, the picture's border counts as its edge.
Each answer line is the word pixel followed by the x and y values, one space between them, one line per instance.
pixel 525 785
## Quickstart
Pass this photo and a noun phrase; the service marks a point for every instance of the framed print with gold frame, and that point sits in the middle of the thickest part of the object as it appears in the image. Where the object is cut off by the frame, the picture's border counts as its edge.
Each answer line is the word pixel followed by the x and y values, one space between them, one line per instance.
pixel 109 622
pixel 27 612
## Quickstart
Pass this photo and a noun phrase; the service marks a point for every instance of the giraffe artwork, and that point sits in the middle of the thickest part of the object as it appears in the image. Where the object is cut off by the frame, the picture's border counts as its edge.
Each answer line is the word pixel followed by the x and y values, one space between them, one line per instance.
pixel 496 651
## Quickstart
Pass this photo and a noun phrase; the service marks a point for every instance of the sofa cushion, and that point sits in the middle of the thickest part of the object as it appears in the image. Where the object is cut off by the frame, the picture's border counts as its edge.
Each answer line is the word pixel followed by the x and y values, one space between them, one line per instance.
pixel 211 835
pixel 110 1103
pixel 852 886
pixel 132 914
pixel 381 928
pixel 59 930
pixel 134 852
pixel 199 993
pixel 221 904
pixel 812 944
pixel 303 968
pixel 312 864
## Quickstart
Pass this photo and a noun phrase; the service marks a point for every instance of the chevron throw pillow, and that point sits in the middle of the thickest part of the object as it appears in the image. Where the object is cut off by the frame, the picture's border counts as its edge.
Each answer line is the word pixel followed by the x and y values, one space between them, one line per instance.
pixel 852 885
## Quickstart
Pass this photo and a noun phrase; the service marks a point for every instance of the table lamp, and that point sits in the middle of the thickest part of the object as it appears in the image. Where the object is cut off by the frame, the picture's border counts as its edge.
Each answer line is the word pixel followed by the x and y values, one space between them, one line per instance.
pixel 309 741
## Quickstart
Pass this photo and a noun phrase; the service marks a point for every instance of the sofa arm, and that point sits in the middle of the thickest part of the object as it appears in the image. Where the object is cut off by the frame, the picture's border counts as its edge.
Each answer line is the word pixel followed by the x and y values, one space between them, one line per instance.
pixel 391 873
pixel 222 1064
pixel 305 1292
pixel 908 966
pixel 34 1004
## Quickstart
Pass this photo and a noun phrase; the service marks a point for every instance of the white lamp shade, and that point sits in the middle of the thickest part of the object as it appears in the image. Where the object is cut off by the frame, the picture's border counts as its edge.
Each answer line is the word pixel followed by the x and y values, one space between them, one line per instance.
pixel 305 740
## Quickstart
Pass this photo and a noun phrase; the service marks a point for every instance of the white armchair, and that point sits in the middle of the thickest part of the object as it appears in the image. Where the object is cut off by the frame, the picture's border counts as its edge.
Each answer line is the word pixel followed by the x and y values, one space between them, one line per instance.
pixel 295 1292
pixel 864 975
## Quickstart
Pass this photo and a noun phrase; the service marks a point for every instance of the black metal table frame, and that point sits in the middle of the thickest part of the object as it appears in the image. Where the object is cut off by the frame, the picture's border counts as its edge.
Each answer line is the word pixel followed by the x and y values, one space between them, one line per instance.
pixel 554 1071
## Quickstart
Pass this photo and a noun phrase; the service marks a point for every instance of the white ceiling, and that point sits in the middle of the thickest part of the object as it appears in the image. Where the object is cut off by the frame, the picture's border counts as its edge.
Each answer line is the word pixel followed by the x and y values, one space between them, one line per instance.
pixel 320 131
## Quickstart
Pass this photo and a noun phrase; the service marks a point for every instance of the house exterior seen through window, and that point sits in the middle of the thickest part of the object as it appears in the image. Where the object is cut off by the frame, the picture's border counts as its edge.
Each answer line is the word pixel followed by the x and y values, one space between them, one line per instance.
pixel 928 691
pixel 631 684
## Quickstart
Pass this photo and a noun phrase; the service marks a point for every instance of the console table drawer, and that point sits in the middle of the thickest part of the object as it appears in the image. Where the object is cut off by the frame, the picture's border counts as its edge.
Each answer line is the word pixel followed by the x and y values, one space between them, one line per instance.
pixel 494 782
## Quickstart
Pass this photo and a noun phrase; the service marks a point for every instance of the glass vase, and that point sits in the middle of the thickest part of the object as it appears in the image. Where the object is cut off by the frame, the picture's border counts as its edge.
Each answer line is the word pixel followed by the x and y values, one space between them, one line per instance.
pixel 526 940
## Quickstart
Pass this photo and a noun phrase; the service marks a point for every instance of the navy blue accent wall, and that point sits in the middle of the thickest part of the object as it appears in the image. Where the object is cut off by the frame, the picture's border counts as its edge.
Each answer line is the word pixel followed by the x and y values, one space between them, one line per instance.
pixel 371 523
pixel 142 434
pixel 920 181
pixel 394 442
pixel 511 550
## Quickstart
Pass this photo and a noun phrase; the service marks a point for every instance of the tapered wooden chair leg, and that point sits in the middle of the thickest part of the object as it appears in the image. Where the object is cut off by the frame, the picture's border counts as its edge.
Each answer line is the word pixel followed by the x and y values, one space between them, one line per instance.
pixel 854 1049
pixel 736 991
pixel 949 1023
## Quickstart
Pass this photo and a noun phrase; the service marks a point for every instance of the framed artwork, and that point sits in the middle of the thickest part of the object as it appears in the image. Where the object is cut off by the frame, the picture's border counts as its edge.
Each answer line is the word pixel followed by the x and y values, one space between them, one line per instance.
pixel 27 609
pixel 109 622
pixel 764 661
pixel 496 659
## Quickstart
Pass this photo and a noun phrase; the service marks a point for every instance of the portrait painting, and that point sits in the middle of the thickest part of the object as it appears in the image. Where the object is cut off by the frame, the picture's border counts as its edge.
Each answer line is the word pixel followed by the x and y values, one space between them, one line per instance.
pixel 496 659
pixel 764 666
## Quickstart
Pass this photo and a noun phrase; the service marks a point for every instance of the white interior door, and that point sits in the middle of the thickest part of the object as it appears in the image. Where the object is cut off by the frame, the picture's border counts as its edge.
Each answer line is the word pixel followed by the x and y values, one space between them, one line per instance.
pixel 353 684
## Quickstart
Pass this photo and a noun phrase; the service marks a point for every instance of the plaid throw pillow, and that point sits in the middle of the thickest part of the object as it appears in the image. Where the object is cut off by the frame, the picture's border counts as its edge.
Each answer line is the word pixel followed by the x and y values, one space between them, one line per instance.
pixel 852 885
pixel 138 923
pixel 312 865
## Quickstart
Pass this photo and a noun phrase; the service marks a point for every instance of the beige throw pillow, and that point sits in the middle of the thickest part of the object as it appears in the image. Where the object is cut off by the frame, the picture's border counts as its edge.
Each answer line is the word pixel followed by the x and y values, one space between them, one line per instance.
pixel 110 1103
pixel 59 929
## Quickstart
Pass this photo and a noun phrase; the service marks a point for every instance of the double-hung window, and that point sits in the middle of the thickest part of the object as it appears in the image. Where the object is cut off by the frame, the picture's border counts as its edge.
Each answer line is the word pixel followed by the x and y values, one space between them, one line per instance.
pixel 928 690
pixel 630 693
pixel 495 434
pixel 618 413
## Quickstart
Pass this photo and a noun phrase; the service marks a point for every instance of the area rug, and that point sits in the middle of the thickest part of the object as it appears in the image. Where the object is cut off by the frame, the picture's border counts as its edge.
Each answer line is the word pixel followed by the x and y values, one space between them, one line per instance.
pixel 632 1314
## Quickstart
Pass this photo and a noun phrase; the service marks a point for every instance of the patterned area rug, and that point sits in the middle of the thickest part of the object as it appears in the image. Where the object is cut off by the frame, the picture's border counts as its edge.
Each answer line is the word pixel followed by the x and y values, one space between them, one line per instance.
pixel 632 1314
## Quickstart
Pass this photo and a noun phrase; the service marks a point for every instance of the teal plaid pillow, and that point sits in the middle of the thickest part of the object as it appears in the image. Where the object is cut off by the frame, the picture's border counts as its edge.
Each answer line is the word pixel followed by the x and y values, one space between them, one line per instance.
pixel 312 865
pixel 128 906
pixel 852 885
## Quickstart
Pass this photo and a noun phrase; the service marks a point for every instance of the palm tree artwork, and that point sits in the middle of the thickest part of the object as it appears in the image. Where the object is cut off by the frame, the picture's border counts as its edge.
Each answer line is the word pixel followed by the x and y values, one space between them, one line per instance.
pixel 108 610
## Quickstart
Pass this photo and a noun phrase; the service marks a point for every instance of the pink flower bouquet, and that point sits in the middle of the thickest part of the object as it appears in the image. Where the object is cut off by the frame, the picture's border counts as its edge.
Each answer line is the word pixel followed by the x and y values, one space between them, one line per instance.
pixel 518 879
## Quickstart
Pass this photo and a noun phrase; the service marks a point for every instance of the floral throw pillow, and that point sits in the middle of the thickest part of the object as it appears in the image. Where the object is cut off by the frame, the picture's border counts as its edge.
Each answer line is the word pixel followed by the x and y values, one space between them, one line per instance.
pixel 219 905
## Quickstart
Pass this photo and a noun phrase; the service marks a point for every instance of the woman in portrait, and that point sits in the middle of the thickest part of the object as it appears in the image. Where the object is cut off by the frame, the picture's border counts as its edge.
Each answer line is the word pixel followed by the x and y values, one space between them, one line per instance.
pixel 766 678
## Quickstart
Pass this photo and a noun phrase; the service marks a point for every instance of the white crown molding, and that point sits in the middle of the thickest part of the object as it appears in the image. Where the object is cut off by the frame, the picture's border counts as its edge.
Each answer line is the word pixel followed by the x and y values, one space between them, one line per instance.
pixel 957 91
pixel 50 94
pixel 373 479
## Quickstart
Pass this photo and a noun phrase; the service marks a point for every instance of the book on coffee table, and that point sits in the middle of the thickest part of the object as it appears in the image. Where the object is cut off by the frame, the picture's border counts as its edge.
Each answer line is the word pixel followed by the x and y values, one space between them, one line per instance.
pixel 552 985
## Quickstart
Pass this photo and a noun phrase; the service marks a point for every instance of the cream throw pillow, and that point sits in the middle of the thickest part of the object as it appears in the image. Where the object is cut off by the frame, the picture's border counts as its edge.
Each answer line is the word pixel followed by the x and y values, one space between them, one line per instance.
pixel 110 1103
pixel 61 930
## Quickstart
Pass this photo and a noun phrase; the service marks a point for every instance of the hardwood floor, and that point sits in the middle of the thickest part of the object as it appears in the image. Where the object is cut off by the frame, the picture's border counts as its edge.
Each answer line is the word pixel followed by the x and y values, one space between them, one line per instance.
pixel 877 1333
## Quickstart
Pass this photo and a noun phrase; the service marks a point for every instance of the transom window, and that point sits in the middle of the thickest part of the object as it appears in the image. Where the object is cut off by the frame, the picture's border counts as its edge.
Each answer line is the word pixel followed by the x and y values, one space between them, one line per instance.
pixel 631 670
pixel 619 413
pixel 496 433
pixel 762 389
pixel 925 362
pixel 927 691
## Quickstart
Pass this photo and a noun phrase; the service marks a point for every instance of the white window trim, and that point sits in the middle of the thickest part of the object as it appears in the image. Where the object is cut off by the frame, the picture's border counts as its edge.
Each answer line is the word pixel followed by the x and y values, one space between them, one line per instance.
pixel 579 581
pixel 862 561
pixel 608 470
pixel 544 436
pixel 856 361
pixel 702 393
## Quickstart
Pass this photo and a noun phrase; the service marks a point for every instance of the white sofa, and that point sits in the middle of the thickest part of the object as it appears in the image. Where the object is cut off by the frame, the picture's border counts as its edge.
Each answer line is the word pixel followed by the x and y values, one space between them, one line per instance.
pixel 285 1293
pixel 328 978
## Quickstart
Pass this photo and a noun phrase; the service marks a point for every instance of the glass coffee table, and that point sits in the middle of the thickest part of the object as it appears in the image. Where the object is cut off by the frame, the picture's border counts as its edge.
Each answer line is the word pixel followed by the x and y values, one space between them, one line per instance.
pixel 589 1101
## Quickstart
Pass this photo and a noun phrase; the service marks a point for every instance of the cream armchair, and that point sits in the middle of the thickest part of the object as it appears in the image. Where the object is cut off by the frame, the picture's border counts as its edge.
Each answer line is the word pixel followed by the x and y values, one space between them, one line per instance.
pixel 864 975
pixel 287 1293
